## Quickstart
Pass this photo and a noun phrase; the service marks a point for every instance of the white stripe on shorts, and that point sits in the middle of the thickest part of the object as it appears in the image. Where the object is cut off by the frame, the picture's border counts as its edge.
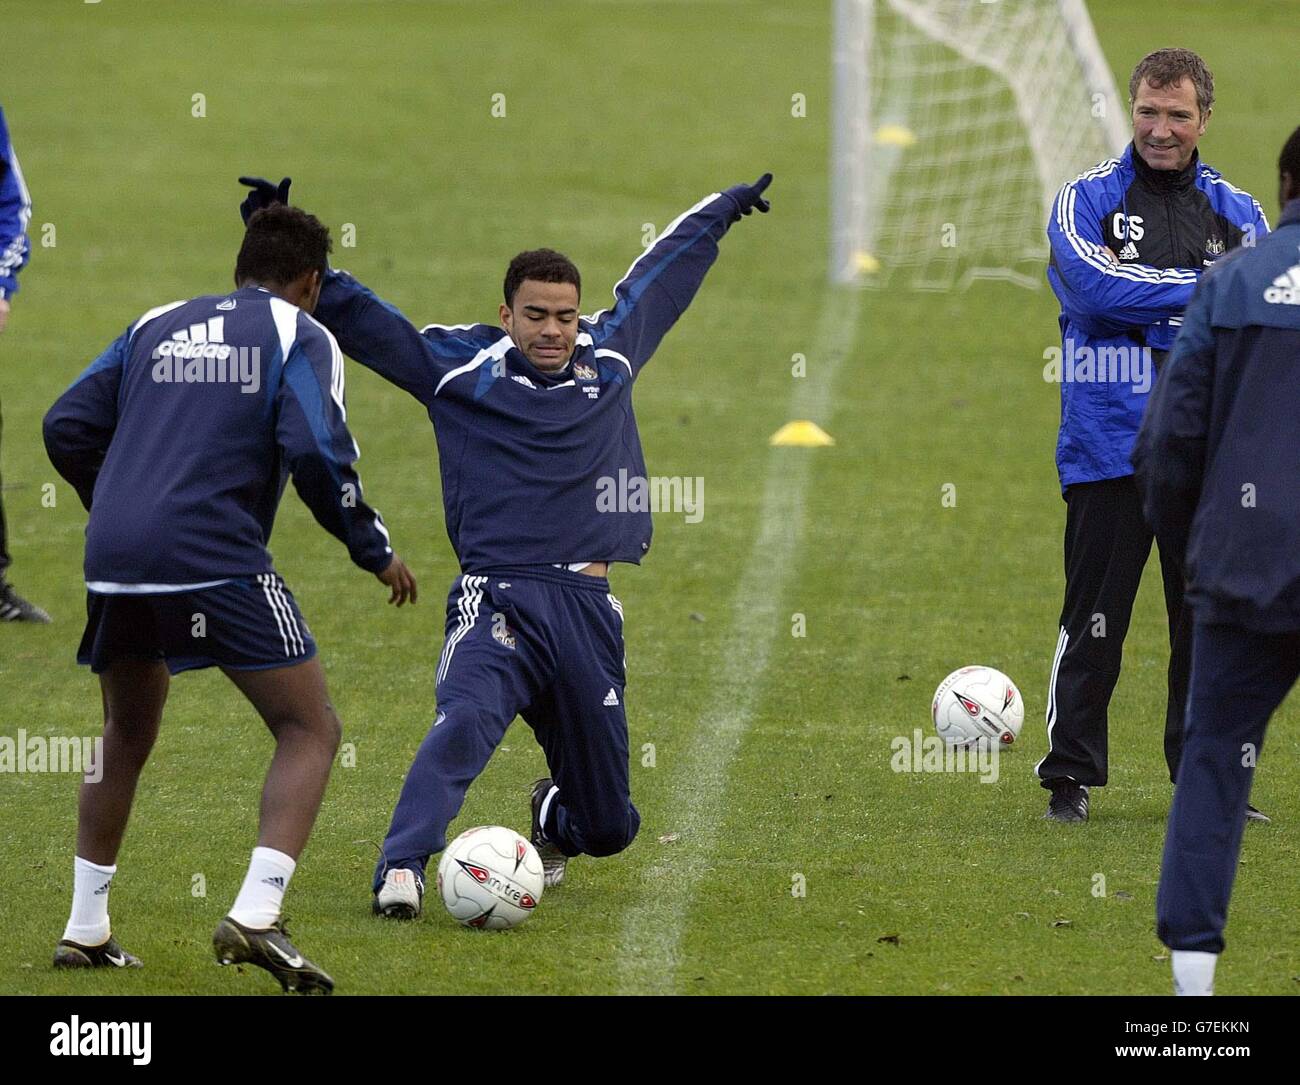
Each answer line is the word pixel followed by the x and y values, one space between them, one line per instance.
pixel 265 581
pixel 291 620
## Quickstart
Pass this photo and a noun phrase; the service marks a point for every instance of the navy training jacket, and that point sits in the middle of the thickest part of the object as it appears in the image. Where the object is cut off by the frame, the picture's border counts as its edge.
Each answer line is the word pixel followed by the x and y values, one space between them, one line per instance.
pixel 180 438
pixel 1218 457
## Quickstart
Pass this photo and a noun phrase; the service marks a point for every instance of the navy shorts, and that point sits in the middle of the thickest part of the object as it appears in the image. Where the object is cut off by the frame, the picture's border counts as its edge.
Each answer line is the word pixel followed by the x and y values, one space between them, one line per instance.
pixel 248 624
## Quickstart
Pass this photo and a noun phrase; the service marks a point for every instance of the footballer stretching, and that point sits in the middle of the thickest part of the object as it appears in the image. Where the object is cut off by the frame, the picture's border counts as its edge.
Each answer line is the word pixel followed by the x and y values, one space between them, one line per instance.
pixel 529 417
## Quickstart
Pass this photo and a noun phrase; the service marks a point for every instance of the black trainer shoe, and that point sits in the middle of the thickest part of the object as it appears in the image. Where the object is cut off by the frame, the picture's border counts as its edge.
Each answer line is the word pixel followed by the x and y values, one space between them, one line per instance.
pixel 1257 815
pixel 70 954
pixel 270 949
pixel 401 896
pixel 1069 802
pixel 553 860
pixel 14 608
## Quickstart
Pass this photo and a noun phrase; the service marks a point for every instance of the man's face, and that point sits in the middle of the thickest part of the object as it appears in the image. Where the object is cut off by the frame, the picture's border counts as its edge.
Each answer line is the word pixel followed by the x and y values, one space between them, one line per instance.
pixel 543 322
pixel 1167 122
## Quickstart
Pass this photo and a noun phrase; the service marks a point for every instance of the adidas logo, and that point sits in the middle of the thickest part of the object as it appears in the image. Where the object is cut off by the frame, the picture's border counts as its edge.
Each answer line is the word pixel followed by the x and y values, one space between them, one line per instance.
pixel 522 380
pixel 1129 252
pixel 611 698
pixel 1285 289
pixel 275 882
pixel 103 888
pixel 197 341
pixel 199 354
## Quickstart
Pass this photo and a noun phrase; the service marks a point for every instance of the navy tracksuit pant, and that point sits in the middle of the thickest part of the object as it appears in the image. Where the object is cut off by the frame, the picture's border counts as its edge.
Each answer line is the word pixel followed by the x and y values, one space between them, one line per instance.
pixel 1238 679
pixel 545 644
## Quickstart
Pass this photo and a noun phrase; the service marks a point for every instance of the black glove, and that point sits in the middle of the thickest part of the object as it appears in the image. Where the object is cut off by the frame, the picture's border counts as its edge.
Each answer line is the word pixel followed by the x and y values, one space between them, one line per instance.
pixel 748 197
pixel 264 194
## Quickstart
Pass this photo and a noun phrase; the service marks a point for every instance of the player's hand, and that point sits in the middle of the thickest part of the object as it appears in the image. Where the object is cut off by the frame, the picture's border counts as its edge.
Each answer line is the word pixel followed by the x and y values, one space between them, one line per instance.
pixel 398 577
pixel 749 197
pixel 4 313
pixel 264 194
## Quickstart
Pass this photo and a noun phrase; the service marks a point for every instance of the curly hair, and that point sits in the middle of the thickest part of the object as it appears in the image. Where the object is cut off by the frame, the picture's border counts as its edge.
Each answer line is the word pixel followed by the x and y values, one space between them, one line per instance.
pixel 281 244
pixel 543 266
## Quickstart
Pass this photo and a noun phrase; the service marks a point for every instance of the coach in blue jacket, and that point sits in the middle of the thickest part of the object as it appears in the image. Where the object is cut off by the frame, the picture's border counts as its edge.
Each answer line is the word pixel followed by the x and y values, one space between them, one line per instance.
pixel 1129 240
pixel 1218 468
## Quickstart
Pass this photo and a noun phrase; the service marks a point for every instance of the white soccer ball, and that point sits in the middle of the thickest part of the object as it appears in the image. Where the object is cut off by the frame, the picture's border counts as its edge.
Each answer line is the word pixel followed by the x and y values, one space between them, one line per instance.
pixel 978 706
pixel 490 878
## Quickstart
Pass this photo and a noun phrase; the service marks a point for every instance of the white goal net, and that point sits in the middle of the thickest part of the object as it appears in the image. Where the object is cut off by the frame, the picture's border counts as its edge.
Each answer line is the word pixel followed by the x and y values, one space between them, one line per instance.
pixel 955 122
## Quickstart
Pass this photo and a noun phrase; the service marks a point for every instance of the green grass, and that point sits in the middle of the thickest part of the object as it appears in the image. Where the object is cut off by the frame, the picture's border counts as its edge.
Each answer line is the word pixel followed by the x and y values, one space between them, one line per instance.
pixel 618 114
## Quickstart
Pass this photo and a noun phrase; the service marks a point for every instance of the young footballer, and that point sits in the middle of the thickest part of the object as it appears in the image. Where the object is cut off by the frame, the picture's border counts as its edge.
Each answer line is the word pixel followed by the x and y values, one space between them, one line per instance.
pixel 179 439
pixel 1221 426
pixel 534 424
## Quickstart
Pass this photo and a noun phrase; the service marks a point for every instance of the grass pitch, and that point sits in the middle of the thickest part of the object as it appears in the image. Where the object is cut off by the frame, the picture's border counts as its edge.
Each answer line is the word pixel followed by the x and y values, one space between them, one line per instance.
pixel 779 852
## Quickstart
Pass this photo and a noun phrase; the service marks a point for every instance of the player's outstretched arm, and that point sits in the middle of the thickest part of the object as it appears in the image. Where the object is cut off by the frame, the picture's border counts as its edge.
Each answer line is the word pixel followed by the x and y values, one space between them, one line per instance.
pixel 664 279
pixel 1169 454
pixel 320 454
pixel 381 338
pixel 80 425
pixel 1095 290
pixel 371 330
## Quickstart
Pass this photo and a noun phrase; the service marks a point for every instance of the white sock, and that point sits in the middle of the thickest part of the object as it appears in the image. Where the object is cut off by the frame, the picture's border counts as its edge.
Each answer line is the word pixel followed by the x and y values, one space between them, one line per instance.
pixel 88 924
pixel 259 900
pixel 1193 971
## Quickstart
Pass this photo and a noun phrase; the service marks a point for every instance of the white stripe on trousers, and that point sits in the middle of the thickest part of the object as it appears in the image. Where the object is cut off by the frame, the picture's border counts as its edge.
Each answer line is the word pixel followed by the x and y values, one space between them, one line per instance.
pixel 471 595
pixel 1062 642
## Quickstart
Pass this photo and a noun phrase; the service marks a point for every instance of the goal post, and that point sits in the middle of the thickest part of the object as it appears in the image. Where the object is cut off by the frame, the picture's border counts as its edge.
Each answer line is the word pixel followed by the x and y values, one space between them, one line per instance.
pixel 955 122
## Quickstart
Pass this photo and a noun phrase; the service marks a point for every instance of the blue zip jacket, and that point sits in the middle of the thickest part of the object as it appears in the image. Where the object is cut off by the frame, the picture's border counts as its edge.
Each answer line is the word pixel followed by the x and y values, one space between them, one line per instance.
pixel 15 213
pixel 1218 457
pixel 1120 315
pixel 180 437
pixel 539 469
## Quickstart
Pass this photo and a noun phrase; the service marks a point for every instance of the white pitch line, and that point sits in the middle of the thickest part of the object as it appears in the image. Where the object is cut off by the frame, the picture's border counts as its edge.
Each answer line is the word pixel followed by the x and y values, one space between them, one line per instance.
pixel 650 943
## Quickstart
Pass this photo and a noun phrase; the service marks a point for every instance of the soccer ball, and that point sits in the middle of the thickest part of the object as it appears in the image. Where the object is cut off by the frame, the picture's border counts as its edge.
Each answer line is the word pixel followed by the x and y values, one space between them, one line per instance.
pixel 490 878
pixel 978 705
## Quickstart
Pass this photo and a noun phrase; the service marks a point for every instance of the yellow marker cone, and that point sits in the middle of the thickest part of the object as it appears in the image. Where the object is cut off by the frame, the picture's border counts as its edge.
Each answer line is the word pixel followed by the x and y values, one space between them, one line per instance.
pixel 895 135
pixel 801 434
pixel 864 263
